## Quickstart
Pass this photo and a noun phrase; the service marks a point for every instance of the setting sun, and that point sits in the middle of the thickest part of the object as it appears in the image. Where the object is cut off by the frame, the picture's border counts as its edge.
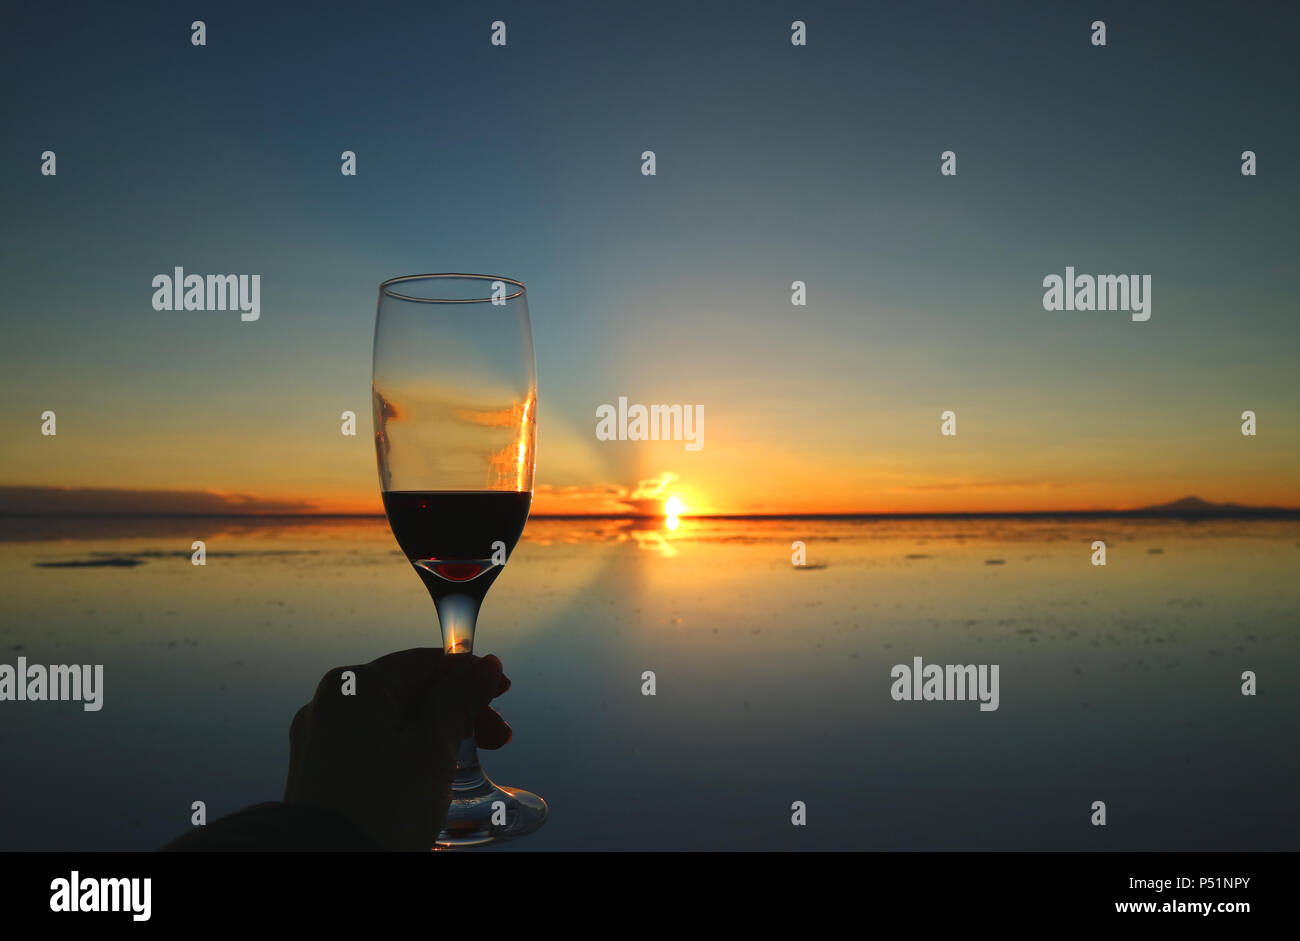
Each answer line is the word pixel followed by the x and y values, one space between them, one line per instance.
pixel 673 506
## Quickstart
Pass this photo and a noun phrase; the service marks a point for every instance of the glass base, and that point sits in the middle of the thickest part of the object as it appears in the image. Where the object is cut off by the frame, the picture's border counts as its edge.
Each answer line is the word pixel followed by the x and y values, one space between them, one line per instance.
pixel 490 814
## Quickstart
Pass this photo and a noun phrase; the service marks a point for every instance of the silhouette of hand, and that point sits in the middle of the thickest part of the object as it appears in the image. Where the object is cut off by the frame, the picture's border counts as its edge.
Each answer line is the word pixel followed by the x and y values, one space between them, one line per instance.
pixel 380 745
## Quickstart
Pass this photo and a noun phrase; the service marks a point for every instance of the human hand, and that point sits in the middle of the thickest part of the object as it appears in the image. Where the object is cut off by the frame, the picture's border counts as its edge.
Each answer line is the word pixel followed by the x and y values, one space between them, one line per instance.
pixel 384 754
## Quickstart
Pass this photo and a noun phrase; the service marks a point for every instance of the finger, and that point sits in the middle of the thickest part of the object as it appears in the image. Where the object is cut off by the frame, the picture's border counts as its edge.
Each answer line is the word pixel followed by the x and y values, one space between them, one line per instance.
pixel 490 730
pixel 347 697
pixel 463 688
pixel 490 677
pixel 409 672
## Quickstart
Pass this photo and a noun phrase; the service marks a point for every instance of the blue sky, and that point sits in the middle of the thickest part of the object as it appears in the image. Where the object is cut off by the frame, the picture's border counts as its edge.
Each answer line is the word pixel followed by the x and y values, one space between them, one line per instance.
pixel 775 163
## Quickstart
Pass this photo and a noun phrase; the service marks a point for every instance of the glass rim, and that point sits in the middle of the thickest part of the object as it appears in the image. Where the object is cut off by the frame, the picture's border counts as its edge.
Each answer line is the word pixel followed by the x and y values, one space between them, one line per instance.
pixel 385 288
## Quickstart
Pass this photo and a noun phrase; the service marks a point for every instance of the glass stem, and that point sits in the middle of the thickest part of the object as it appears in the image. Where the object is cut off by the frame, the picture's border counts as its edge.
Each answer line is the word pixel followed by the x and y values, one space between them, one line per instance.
pixel 458 615
pixel 469 776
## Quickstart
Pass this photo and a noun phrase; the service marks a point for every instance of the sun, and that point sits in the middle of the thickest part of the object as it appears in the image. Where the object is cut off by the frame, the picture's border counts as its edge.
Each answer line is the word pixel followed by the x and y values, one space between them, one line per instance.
pixel 673 506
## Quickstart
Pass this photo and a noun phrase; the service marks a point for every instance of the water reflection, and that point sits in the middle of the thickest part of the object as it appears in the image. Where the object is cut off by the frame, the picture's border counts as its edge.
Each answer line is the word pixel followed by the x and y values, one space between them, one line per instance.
pixel 772 679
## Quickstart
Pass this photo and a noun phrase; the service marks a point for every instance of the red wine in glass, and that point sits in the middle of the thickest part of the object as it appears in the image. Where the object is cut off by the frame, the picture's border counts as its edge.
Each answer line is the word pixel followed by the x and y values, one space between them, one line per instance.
pixel 458 540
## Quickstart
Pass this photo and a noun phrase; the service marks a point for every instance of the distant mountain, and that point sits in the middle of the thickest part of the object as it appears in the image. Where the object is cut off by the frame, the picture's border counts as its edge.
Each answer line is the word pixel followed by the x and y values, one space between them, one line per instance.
pixel 88 501
pixel 1195 506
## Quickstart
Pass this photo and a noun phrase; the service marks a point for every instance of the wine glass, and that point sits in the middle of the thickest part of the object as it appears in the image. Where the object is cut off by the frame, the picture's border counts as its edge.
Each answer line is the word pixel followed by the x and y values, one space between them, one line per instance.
pixel 455 408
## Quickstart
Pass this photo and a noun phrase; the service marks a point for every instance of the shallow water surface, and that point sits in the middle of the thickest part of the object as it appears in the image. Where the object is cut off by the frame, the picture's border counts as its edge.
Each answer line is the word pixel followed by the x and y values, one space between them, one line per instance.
pixel 1119 683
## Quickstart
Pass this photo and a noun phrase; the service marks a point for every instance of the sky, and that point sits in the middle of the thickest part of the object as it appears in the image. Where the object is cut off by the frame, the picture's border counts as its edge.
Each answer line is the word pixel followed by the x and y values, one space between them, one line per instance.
pixel 774 163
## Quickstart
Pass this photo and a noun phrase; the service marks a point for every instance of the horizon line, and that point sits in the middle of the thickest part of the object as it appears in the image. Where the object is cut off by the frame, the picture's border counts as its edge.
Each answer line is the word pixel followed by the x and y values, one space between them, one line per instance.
pixel 968 514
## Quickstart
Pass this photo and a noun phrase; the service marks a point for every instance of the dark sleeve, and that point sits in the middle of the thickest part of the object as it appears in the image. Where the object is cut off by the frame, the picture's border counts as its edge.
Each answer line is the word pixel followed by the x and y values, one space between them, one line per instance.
pixel 276 827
